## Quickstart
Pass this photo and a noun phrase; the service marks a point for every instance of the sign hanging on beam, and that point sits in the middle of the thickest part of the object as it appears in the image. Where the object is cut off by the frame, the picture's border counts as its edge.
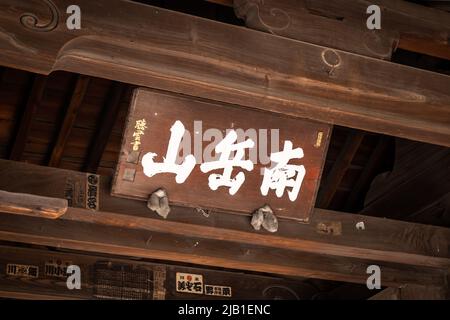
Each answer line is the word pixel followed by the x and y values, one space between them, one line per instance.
pixel 213 156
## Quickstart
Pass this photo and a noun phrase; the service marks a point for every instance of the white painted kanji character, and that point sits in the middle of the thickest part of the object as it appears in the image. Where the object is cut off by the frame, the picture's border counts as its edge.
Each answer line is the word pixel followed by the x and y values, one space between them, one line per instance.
pixel 226 148
pixel 284 175
pixel 169 165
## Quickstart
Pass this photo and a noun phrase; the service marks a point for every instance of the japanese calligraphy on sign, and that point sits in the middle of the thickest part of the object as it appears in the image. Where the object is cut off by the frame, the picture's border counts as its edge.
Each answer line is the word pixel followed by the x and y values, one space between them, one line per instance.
pixel 139 127
pixel 219 156
pixel 219 291
pixel 189 283
pixel 56 268
pixel 20 270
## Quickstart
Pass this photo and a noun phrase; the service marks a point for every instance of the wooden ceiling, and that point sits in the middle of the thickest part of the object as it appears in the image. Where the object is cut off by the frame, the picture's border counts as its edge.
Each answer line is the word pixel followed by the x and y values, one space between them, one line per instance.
pixel 74 121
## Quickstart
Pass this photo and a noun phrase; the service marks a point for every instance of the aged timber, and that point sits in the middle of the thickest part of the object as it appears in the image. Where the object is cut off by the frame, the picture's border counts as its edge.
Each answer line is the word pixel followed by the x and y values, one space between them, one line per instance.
pixel 330 247
pixel 341 24
pixel 144 45
pixel 119 278
pixel 32 205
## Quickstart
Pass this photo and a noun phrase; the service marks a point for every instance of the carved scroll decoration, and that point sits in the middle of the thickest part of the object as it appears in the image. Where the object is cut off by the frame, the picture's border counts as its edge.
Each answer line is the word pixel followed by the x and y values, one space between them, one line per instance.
pixel 250 8
pixel 31 21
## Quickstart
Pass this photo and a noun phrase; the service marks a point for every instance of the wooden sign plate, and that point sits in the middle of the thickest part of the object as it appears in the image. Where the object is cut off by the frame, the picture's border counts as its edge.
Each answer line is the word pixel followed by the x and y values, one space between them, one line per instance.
pixel 151 117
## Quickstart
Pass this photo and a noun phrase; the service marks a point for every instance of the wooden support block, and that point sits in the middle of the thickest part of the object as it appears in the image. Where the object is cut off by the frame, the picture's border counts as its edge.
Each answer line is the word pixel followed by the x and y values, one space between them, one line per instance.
pixel 105 126
pixel 32 205
pixel 229 253
pixel 26 119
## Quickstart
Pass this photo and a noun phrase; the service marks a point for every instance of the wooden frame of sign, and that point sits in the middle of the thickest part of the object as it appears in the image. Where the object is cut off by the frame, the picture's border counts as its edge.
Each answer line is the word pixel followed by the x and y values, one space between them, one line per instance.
pixel 151 117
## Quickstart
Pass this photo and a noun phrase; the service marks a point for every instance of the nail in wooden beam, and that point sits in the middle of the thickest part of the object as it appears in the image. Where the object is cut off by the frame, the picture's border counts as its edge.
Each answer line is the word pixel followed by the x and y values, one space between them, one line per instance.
pixel 341 165
pixel 34 99
pixel 32 205
pixel 69 119
pixel 107 120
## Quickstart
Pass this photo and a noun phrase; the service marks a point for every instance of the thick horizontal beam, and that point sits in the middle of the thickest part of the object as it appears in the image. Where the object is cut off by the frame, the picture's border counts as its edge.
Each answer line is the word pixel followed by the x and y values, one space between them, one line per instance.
pixel 50 281
pixel 153 47
pixel 330 23
pixel 331 237
pixel 92 237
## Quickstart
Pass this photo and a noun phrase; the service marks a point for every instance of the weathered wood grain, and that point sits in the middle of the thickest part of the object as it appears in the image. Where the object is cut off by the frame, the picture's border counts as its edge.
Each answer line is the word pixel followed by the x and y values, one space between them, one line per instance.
pixel 32 205
pixel 70 117
pixel 153 47
pixel 328 233
pixel 334 177
pixel 47 285
pixel 341 24
pixel 141 243
pixel 28 113
pixel 105 126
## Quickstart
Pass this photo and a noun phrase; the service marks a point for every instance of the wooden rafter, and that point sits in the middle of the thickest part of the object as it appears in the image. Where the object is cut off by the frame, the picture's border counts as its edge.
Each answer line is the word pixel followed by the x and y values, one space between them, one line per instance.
pixel 106 124
pixel 34 99
pixel 244 285
pixel 70 117
pixel 339 169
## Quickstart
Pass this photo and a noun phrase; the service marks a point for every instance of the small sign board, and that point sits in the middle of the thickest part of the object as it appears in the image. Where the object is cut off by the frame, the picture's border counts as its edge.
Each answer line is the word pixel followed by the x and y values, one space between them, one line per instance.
pixel 189 283
pixel 214 156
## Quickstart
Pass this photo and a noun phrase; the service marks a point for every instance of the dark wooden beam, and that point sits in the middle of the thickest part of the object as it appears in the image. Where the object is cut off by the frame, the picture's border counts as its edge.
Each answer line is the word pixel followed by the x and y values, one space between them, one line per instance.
pixel 94 282
pixel 329 24
pixel 92 237
pixel 105 126
pixel 26 118
pixel 339 169
pixel 185 54
pixel 328 233
pixel 70 117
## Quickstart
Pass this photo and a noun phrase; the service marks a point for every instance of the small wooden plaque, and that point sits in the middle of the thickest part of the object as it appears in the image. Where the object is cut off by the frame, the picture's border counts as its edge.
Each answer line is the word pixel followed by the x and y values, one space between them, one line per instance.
pixel 151 117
